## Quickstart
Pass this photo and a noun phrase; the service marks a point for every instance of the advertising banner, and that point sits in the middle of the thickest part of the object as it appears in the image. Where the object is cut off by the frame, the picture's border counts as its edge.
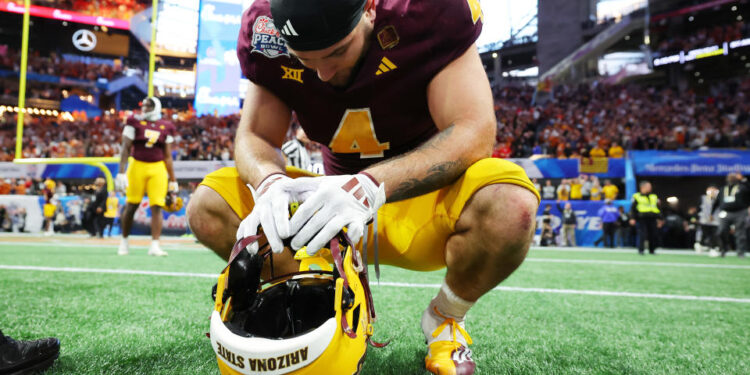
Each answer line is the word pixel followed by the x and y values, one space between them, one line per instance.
pixel 589 227
pixel 17 205
pixel 64 15
pixel 690 163
pixel 218 76
pixel 550 168
pixel 193 170
pixel 174 224
pixel 197 169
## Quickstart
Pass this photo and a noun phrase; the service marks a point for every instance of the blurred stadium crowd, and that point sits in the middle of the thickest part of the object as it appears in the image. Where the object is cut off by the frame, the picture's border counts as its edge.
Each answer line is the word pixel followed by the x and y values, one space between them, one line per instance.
pixel 598 120
pixel 54 64
pixel 198 138
pixel 703 37
pixel 582 121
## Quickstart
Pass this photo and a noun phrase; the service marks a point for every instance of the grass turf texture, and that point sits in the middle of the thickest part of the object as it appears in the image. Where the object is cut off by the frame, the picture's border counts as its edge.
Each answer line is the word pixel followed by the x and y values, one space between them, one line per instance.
pixel 145 324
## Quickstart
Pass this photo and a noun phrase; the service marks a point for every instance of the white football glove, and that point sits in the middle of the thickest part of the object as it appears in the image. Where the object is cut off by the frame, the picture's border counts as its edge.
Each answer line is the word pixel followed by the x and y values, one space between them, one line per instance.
pixel 174 187
pixel 341 201
pixel 271 209
pixel 121 182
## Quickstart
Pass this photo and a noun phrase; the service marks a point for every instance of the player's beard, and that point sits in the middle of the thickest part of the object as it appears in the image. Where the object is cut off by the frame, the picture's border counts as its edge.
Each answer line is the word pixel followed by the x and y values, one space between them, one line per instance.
pixel 345 78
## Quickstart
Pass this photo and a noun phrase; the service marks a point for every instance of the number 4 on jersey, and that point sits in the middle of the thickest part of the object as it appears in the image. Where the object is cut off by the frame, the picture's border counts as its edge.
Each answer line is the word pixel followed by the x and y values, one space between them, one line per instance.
pixel 356 134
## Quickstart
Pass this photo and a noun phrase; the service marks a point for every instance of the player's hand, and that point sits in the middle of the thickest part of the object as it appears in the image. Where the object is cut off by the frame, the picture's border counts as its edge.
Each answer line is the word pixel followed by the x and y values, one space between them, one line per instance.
pixel 174 187
pixel 341 201
pixel 271 209
pixel 121 182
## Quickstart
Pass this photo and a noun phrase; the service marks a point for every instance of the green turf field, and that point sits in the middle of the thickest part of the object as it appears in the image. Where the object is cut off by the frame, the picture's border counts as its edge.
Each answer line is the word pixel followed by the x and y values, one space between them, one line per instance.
pixel 562 312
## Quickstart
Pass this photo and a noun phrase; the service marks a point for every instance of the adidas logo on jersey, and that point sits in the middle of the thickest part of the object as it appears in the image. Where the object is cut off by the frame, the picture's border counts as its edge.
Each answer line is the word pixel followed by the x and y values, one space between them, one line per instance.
pixel 385 66
pixel 288 29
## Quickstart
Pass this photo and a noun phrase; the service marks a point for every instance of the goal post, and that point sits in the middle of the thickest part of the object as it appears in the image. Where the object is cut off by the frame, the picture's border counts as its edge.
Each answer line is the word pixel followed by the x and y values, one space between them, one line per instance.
pixel 92 161
pixel 98 162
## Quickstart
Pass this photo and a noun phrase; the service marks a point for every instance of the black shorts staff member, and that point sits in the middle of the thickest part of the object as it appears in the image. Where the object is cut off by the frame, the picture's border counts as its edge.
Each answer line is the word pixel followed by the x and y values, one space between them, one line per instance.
pixel 733 201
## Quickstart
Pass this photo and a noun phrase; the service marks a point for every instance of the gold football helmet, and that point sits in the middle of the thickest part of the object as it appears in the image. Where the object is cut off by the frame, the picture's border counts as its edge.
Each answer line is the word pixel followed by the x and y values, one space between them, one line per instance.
pixel 173 202
pixel 314 321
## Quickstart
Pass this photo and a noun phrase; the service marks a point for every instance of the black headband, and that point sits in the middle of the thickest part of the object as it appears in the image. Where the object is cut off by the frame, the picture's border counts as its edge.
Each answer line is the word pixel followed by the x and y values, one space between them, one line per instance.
pixel 309 25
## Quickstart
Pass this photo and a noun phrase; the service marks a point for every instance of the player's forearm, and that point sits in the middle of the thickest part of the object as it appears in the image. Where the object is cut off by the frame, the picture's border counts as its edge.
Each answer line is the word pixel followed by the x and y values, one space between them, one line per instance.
pixel 124 155
pixel 256 158
pixel 435 164
pixel 170 168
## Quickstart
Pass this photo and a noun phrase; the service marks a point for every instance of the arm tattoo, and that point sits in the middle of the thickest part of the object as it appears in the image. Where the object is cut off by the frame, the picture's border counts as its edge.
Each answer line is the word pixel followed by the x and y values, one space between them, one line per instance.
pixel 437 176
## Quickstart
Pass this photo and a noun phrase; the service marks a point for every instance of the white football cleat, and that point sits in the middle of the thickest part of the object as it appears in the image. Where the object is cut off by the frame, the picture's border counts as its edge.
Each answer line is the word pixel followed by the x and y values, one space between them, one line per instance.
pixel 124 248
pixel 714 253
pixel 698 247
pixel 155 250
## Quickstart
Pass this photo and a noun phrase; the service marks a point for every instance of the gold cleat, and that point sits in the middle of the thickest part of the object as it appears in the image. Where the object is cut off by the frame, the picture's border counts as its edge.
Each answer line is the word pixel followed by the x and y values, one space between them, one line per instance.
pixel 449 357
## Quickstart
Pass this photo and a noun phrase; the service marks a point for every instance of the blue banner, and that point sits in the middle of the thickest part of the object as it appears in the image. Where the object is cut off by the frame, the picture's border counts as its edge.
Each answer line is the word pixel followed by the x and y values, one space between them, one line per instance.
pixel 572 168
pixel 589 227
pixel 690 163
pixel 549 168
pixel 218 76
pixel 65 171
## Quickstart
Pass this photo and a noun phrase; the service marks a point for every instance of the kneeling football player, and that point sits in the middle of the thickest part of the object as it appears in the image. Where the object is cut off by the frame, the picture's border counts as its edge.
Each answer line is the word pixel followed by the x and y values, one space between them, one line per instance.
pixel 397 93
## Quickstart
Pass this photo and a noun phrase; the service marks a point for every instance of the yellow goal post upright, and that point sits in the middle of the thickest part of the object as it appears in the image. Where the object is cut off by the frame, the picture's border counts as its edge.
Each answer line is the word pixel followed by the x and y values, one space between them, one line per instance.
pixel 98 162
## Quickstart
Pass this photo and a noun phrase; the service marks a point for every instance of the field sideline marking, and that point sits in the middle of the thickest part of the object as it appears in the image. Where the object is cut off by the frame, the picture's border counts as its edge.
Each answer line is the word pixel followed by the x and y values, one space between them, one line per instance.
pixel 396 284
pixel 186 247
pixel 635 263
pixel 192 248
pixel 619 250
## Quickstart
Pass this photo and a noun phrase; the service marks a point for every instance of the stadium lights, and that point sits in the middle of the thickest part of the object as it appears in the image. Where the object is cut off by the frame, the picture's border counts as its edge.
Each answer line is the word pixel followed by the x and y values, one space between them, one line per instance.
pixel 734 8
pixel 691 19
pixel 494 55
pixel 30 111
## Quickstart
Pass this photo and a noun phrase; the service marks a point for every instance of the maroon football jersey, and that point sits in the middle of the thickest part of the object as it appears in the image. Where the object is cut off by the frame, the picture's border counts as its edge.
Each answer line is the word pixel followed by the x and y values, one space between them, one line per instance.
pixel 384 112
pixel 150 138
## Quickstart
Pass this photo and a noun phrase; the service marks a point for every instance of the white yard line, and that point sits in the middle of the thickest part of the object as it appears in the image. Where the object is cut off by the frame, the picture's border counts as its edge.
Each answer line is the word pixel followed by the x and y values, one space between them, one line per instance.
pixel 635 263
pixel 68 244
pixel 110 271
pixel 395 284
pixel 199 248
pixel 619 250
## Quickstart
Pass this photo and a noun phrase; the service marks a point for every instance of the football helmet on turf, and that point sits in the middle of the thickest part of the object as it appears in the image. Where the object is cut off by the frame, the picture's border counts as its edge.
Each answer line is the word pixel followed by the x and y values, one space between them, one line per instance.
pixel 173 202
pixel 314 321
